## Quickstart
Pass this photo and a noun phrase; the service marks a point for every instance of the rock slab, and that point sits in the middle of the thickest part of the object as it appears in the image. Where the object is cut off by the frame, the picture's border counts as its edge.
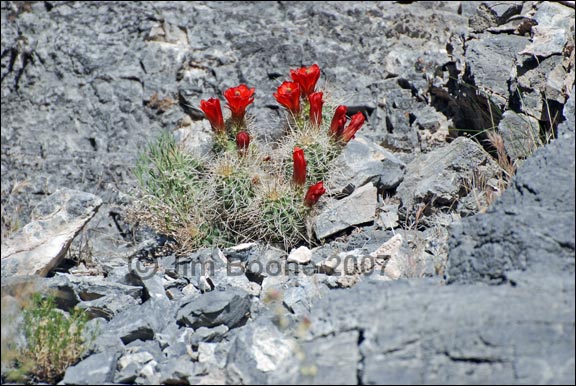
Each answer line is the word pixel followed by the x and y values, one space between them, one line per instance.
pixel 41 244
pixel 358 208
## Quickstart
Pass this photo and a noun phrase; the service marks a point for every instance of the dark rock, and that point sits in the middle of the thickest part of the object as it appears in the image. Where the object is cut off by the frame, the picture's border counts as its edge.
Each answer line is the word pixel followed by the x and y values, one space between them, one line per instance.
pixel 530 227
pixel 438 178
pixel 138 322
pixel 538 85
pixel 94 370
pixel 108 306
pixel 494 13
pixel 490 60
pixel 230 307
pixel 98 295
pixel 396 344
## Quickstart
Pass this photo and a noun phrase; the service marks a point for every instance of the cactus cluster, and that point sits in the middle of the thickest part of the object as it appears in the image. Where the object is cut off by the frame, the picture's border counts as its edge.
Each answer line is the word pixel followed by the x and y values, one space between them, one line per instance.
pixel 246 191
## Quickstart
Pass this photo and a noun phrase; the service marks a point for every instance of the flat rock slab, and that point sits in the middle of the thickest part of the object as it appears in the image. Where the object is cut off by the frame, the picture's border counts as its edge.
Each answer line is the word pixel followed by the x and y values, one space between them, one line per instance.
pixel 358 208
pixel 421 332
pixel 520 133
pixel 490 59
pixel 438 177
pixel 96 369
pixel 41 244
pixel 362 161
pixel 215 308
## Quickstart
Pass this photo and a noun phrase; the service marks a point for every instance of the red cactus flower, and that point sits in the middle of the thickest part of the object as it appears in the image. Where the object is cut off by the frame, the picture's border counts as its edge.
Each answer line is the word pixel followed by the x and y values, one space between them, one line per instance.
pixel 338 121
pixel 299 176
pixel 238 99
pixel 355 124
pixel 213 113
pixel 314 193
pixel 306 77
pixel 316 103
pixel 242 140
pixel 288 95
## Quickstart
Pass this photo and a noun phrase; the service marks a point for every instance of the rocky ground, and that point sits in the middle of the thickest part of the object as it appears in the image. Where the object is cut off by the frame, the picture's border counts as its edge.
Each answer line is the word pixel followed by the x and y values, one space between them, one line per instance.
pixel 424 273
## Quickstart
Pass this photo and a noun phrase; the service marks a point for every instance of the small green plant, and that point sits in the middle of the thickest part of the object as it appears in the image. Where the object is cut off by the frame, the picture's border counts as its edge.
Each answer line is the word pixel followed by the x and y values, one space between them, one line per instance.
pixel 245 190
pixel 54 341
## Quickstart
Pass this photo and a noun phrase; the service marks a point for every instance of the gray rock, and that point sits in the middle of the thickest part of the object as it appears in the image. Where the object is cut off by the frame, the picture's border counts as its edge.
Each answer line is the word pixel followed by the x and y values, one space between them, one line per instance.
pixel 99 295
pixel 494 13
pixel 399 106
pixel 538 85
pixel 566 128
pixel 546 41
pixel 209 269
pixel 503 10
pixel 388 216
pixel 437 178
pixel 554 15
pixel 300 292
pixel 94 370
pixel 149 279
pixel 138 322
pixel 331 360
pixel 108 306
pixel 362 161
pixel 257 349
pixel 491 60
pixel 391 341
pixel 358 208
pixel 205 334
pixel 521 134
pixel 531 226
pixel 178 371
pixel 130 364
pixel 196 138
pixel 40 245
pixel 230 307
pixel 265 262
pixel 433 128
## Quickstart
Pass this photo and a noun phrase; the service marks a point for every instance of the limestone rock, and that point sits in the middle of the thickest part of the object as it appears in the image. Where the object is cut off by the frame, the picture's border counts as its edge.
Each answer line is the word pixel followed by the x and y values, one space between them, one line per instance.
pixel 40 245
pixel 358 208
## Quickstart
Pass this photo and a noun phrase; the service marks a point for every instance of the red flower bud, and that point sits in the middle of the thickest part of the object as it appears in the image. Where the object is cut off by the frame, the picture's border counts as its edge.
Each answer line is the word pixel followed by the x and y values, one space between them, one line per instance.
pixel 242 140
pixel 238 99
pixel 288 95
pixel 314 193
pixel 316 103
pixel 355 124
pixel 299 176
pixel 213 113
pixel 306 78
pixel 338 122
